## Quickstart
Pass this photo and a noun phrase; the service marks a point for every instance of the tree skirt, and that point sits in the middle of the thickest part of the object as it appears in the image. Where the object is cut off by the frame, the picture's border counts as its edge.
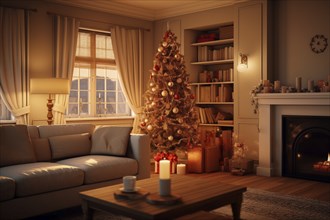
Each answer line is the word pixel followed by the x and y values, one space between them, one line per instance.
pixel 264 205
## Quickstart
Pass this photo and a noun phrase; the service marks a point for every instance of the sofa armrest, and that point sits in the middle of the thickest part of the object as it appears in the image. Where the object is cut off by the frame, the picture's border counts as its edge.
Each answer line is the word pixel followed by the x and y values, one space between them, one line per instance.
pixel 139 149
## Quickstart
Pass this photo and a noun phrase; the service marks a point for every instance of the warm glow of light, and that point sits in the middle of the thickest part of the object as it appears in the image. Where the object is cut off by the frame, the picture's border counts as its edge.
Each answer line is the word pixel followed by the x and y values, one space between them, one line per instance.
pixel 328 156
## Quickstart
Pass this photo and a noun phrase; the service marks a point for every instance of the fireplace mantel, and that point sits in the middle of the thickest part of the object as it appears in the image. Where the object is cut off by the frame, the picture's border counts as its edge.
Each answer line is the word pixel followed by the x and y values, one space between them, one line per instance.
pixel 271 107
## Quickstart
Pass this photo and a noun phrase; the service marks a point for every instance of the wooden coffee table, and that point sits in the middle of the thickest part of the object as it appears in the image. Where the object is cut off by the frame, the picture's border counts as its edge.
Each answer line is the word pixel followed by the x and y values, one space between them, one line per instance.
pixel 196 194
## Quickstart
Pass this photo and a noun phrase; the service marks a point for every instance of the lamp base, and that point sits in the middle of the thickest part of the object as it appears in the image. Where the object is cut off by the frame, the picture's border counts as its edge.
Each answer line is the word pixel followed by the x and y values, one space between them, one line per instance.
pixel 50 110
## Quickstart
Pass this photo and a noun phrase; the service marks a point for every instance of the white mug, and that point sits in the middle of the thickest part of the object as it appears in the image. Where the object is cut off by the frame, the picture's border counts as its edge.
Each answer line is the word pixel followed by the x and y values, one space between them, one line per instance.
pixel 129 183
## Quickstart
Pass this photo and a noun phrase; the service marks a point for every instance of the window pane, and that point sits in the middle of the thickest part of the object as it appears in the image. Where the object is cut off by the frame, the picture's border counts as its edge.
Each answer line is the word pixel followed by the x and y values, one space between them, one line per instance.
pixel 111 108
pixel 84 96
pixel 73 109
pixel 83 45
pixel 74 84
pixel 84 109
pixel 100 84
pixel 73 96
pixel 84 84
pixel 111 85
pixel 121 108
pixel 111 96
pixel 121 97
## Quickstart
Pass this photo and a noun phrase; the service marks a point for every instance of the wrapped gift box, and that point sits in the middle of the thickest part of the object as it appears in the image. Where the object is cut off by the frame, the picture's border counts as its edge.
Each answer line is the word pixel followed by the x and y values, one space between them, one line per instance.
pixel 244 164
pixel 203 159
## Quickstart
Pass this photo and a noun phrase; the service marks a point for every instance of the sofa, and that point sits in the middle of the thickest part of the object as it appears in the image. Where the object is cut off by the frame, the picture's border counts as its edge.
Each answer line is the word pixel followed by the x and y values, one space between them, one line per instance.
pixel 43 168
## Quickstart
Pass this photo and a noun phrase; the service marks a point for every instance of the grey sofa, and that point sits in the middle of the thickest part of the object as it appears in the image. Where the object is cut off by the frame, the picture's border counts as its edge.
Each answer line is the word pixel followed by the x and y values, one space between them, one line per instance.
pixel 43 168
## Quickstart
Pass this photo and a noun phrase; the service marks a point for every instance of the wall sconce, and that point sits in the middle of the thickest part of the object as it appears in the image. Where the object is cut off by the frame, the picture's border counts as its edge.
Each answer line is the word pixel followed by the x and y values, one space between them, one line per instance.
pixel 242 67
pixel 49 86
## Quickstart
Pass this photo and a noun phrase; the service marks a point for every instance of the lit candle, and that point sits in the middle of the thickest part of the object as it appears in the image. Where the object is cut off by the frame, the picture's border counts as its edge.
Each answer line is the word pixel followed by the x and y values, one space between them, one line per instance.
pixel 99 95
pixel 181 169
pixel 164 169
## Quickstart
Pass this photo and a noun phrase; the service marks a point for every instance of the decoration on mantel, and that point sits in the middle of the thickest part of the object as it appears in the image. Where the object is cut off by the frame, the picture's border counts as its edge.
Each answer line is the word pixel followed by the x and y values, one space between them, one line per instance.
pixel 319 43
pixel 169 116
pixel 266 86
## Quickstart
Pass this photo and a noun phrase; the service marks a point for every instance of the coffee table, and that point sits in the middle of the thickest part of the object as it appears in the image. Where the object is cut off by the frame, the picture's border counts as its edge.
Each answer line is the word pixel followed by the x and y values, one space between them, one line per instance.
pixel 196 194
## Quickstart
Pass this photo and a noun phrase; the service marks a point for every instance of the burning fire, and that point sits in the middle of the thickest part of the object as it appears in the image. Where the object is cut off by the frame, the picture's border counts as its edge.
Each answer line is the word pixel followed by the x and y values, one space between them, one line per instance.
pixel 323 166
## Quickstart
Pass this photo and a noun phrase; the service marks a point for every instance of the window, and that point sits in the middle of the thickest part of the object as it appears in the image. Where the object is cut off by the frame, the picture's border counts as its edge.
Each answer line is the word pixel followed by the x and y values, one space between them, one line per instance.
pixel 5 114
pixel 95 89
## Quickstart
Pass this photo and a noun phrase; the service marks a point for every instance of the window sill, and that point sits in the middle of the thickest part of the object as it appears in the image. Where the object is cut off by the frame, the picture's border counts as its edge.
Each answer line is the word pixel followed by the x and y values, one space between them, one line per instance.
pixel 7 122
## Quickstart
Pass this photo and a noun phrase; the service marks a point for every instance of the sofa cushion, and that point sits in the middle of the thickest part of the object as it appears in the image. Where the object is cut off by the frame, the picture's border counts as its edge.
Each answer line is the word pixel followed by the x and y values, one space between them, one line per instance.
pixel 110 140
pixel 70 145
pixel 46 131
pixel 42 149
pixel 100 168
pixel 15 145
pixel 7 188
pixel 41 177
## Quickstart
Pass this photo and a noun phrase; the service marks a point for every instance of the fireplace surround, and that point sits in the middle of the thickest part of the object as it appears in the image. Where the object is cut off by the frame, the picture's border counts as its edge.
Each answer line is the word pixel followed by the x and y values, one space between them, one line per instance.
pixel 272 107
pixel 306 146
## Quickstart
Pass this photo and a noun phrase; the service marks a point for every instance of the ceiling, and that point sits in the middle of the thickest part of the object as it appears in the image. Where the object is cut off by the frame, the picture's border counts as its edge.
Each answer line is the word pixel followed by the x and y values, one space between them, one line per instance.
pixel 149 9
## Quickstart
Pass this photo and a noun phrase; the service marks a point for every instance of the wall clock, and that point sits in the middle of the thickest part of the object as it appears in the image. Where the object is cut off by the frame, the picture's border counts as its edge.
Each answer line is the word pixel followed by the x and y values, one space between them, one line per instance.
pixel 319 43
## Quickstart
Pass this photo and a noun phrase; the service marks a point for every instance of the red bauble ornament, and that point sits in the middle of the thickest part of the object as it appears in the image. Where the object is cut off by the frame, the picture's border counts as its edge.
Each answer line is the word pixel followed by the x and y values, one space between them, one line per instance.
pixel 156 67
pixel 192 96
pixel 143 124
pixel 176 96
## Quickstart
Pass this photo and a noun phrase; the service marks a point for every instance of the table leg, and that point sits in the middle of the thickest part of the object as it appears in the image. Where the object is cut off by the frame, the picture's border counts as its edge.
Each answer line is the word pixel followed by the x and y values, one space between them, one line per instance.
pixel 88 212
pixel 236 209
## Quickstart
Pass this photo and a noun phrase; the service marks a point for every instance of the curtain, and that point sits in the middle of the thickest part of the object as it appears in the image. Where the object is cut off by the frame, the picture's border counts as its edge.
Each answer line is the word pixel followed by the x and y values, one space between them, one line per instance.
pixel 14 78
pixel 66 35
pixel 128 46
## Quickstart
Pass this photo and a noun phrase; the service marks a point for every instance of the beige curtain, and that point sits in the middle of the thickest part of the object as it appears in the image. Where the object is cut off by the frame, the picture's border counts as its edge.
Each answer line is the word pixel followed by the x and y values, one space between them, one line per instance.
pixel 14 79
pixel 66 35
pixel 128 48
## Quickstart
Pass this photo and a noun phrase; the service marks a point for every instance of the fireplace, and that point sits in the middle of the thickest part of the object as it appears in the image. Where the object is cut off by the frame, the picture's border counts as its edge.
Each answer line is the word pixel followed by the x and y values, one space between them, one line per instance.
pixel 272 108
pixel 306 147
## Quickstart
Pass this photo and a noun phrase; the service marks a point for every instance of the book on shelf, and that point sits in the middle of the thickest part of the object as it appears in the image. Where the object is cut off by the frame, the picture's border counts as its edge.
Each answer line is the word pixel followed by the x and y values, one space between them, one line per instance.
pixel 205 94
pixel 226 32
pixel 225 93
pixel 206 53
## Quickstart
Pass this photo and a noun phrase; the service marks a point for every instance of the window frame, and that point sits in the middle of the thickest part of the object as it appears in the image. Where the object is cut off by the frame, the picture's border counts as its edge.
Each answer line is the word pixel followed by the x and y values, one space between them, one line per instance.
pixel 93 61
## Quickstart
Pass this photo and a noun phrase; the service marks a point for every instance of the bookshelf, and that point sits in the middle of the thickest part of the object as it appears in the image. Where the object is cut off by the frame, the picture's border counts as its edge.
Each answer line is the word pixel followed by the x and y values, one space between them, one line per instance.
pixel 212 62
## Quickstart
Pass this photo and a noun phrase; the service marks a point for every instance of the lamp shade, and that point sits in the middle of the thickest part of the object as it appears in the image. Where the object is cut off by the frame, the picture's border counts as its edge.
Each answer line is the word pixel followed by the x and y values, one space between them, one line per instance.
pixel 49 86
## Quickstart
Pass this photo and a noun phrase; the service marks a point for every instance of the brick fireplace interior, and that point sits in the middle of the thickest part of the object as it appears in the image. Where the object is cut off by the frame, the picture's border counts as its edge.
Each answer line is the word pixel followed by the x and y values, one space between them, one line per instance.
pixel 306 147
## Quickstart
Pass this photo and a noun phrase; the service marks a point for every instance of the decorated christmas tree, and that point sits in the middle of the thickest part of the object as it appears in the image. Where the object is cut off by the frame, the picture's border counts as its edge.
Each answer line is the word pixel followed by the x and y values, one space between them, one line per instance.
pixel 169 116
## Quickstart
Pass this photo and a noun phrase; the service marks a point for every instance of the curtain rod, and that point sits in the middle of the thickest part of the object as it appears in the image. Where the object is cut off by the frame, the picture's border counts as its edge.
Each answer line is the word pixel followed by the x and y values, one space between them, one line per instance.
pixel 93 20
pixel 16 7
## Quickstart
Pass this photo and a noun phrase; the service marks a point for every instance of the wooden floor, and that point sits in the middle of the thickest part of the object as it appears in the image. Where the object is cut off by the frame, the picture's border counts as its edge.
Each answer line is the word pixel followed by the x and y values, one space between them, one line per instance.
pixel 282 185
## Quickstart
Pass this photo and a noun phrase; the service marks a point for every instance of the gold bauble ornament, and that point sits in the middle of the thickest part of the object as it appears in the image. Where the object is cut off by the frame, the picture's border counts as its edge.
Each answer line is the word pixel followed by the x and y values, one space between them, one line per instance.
pixel 151 84
pixel 153 89
pixel 160 49
pixel 149 127
pixel 171 93
pixel 180 120
pixel 179 80
pixel 175 110
pixel 170 84
pixel 170 138
pixel 179 131
pixel 164 44
pixel 164 93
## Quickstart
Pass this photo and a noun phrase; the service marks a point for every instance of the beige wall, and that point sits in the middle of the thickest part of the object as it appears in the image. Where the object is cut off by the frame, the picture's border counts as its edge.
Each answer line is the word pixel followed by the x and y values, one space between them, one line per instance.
pixel 296 22
pixel 41 41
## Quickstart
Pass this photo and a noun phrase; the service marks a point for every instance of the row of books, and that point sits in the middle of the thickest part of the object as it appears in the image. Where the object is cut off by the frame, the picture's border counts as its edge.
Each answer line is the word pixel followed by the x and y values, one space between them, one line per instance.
pixel 206 53
pixel 226 32
pixel 225 75
pixel 213 116
pixel 216 93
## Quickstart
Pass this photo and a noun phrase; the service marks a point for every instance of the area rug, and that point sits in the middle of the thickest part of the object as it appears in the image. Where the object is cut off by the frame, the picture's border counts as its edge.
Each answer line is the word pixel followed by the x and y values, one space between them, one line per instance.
pixel 257 205
pixel 264 205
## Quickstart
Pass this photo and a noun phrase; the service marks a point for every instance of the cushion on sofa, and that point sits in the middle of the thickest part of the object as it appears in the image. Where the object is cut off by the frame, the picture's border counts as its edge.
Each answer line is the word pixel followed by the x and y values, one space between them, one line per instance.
pixel 40 177
pixel 7 188
pixel 15 145
pixel 42 149
pixel 100 168
pixel 46 131
pixel 111 140
pixel 70 145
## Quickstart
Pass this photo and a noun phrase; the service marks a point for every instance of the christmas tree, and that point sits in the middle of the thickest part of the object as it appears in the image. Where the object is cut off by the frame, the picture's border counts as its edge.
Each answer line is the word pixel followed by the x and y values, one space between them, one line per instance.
pixel 169 116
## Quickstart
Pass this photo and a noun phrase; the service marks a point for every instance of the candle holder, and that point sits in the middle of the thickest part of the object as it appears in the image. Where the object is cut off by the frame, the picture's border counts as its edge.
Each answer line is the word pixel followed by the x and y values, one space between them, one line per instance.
pixel 164 187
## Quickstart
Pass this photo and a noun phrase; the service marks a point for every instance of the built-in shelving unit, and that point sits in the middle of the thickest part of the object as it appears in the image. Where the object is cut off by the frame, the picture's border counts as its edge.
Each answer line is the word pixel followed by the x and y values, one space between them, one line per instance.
pixel 212 52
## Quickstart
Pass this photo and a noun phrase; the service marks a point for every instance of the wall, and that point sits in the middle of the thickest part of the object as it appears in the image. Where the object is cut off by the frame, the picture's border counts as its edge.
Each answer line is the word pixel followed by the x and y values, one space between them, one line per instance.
pixel 41 41
pixel 296 22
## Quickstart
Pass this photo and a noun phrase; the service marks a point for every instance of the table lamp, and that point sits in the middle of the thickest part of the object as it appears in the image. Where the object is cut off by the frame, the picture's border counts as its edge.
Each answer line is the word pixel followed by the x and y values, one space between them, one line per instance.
pixel 49 86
